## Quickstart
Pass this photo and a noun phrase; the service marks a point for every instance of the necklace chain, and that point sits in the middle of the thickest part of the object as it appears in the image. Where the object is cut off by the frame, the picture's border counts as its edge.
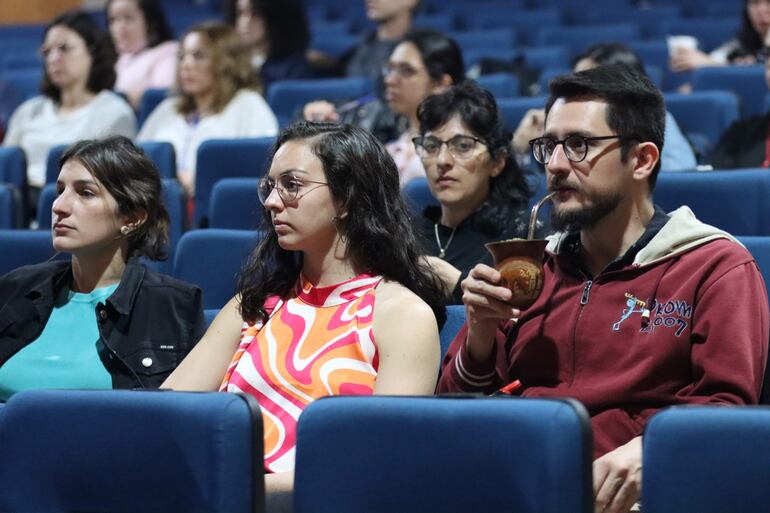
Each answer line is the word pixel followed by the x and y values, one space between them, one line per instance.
pixel 442 249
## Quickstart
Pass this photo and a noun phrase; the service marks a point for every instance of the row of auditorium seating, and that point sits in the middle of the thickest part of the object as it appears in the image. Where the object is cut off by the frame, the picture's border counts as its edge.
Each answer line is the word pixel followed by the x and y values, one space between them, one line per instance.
pixel 212 259
pixel 125 451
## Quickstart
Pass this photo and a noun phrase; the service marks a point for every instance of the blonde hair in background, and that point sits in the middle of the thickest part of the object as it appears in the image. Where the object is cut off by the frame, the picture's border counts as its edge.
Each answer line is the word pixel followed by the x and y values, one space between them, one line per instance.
pixel 231 63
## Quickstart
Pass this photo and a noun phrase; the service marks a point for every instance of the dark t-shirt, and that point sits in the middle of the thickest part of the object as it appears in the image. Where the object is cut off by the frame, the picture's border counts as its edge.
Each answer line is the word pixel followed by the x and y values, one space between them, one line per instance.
pixel 742 144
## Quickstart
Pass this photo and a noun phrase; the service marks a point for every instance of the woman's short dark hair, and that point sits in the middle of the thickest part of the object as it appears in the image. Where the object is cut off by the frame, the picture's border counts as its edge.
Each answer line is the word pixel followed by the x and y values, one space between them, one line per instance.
pixel 440 54
pixel 477 109
pixel 133 180
pixel 158 30
pixel 103 57
pixel 285 22
pixel 381 238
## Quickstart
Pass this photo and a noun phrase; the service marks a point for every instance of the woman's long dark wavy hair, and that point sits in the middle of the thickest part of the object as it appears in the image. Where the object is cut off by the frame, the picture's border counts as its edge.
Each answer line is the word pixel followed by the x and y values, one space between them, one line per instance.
pixel 477 109
pixel 381 240
pixel 751 41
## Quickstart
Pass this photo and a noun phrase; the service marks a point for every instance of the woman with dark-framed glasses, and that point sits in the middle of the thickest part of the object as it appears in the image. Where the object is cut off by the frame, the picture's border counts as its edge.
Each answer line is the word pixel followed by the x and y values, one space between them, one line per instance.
pixel 335 299
pixel 424 62
pixel 471 171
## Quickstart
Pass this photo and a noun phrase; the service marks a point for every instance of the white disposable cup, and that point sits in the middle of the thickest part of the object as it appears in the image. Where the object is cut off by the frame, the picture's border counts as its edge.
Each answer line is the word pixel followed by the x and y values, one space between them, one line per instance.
pixel 675 43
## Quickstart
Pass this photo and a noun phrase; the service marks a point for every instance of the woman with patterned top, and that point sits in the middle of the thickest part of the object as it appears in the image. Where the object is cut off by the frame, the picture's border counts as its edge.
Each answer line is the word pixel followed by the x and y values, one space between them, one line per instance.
pixel 335 299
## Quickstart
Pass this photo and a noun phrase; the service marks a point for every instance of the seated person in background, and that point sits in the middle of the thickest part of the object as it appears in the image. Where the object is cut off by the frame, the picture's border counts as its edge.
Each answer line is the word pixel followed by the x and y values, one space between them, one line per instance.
pixel 677 152
pixel 393 19
pixel 101 320
pixel 278 36
pixel 76 102
pixel 340 257
pixel 216 98
pixel 639 309
pixel 483 195
pixel 425 62
pixel 744 143
pixel 745 48
pixel 146 51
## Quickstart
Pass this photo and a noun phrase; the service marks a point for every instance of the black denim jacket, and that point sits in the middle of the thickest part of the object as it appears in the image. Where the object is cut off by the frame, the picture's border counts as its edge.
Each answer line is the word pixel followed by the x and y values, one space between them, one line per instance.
pixel 146 327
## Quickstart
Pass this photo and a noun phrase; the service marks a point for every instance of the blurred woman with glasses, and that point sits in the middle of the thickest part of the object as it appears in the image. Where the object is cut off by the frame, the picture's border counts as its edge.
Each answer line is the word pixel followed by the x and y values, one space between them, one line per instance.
pixel 425 62
pixel 335 299
pixel 471 170
pixel 77 101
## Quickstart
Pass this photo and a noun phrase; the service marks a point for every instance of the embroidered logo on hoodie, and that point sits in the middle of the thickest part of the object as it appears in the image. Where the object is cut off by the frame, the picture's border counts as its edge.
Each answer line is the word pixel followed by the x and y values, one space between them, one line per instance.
pixel 633 305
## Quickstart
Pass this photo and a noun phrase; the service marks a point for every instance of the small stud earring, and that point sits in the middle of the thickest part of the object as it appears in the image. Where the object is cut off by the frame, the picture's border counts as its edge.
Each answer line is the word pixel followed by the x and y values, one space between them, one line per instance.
pixel 125 230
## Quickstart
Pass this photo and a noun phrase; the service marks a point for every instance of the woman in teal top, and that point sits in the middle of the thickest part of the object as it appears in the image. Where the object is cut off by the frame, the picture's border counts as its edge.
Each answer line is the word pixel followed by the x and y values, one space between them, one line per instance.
pixel 102 320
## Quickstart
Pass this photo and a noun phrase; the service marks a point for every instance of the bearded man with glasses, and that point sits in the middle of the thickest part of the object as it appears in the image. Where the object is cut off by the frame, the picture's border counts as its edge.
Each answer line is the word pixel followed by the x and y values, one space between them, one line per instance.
pixel 639 307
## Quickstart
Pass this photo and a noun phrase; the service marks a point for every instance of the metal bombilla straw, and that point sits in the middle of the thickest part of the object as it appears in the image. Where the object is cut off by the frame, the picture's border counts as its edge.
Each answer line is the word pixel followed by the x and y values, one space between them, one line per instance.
pixel 533 215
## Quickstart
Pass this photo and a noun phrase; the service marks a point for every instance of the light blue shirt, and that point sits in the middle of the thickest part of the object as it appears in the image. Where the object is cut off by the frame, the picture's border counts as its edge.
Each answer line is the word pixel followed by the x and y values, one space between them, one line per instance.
pixel 677 152
pixel 64 355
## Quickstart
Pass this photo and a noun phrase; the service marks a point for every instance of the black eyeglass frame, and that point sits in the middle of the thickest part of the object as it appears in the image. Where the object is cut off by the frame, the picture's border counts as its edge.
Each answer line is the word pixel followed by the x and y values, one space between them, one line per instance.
pixel 557 142
pixel 417 141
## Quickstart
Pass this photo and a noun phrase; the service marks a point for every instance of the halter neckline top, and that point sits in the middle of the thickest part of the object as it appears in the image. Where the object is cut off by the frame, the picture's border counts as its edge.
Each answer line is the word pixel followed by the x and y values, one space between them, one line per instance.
pixel 315 343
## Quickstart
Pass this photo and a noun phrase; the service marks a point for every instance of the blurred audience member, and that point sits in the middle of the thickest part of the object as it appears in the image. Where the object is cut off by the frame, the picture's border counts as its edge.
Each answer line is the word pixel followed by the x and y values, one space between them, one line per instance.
pixel 424 63
pixel 77 102
pixel 471 170
pixel 393 19
pixel 745 143
pixel 745 48
pixel 278 36
pixel 216 98
pixel 101 320
pixel 146 52
pixel 677 155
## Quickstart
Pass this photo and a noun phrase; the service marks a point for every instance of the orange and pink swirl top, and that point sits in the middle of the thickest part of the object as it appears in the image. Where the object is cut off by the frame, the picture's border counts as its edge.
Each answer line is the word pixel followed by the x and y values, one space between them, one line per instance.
pixel 317 342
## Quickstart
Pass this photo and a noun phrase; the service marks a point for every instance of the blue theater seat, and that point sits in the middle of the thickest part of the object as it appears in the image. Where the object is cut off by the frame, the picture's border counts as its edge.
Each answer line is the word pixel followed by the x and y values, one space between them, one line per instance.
pixel 747 82
pixel 578 39
pixel 417 195
pixel 25 247
pixel 235 204
pixel 150 99
pixel 212 259
pixel 227 158
pixel 453 455
pixel 128 451
pixel 8 208
pixel 455 318
pixel 500 84
pixel 734 201
pixel 513 109
pixel 703 115
pixel 707 459
pixel 286 97
pixel 13 172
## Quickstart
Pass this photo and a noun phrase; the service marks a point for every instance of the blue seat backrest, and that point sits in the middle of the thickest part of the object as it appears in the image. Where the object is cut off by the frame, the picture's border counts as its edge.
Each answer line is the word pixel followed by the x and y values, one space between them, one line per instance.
pixel 535 455
pixel 578 39
pixel 149 100
pixel 707 113
pixel 286 97
pixel 741 197
pixel 227 158
pixel 25 247
pixel 747 82
pixel 417 195
pixel 235 204
pixel 500 84
pixel 213 259
pixel 513 109
pixel 122 451
pixel 455 318
pixel 13 170
pixel 8 207
pixel 707 459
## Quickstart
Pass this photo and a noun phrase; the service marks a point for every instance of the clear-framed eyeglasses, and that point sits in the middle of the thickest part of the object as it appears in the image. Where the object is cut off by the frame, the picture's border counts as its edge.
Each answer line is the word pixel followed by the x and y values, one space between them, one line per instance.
pixel 575 146
pixel 290 188
pixel 460 146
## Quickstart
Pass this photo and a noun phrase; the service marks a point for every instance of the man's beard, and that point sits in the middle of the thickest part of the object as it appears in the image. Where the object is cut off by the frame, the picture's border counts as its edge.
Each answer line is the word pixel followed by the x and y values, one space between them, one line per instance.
pixel 587 216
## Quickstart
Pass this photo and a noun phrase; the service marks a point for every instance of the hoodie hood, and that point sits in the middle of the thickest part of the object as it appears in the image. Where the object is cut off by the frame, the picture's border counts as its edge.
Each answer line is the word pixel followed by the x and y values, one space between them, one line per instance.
pixel 681 233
